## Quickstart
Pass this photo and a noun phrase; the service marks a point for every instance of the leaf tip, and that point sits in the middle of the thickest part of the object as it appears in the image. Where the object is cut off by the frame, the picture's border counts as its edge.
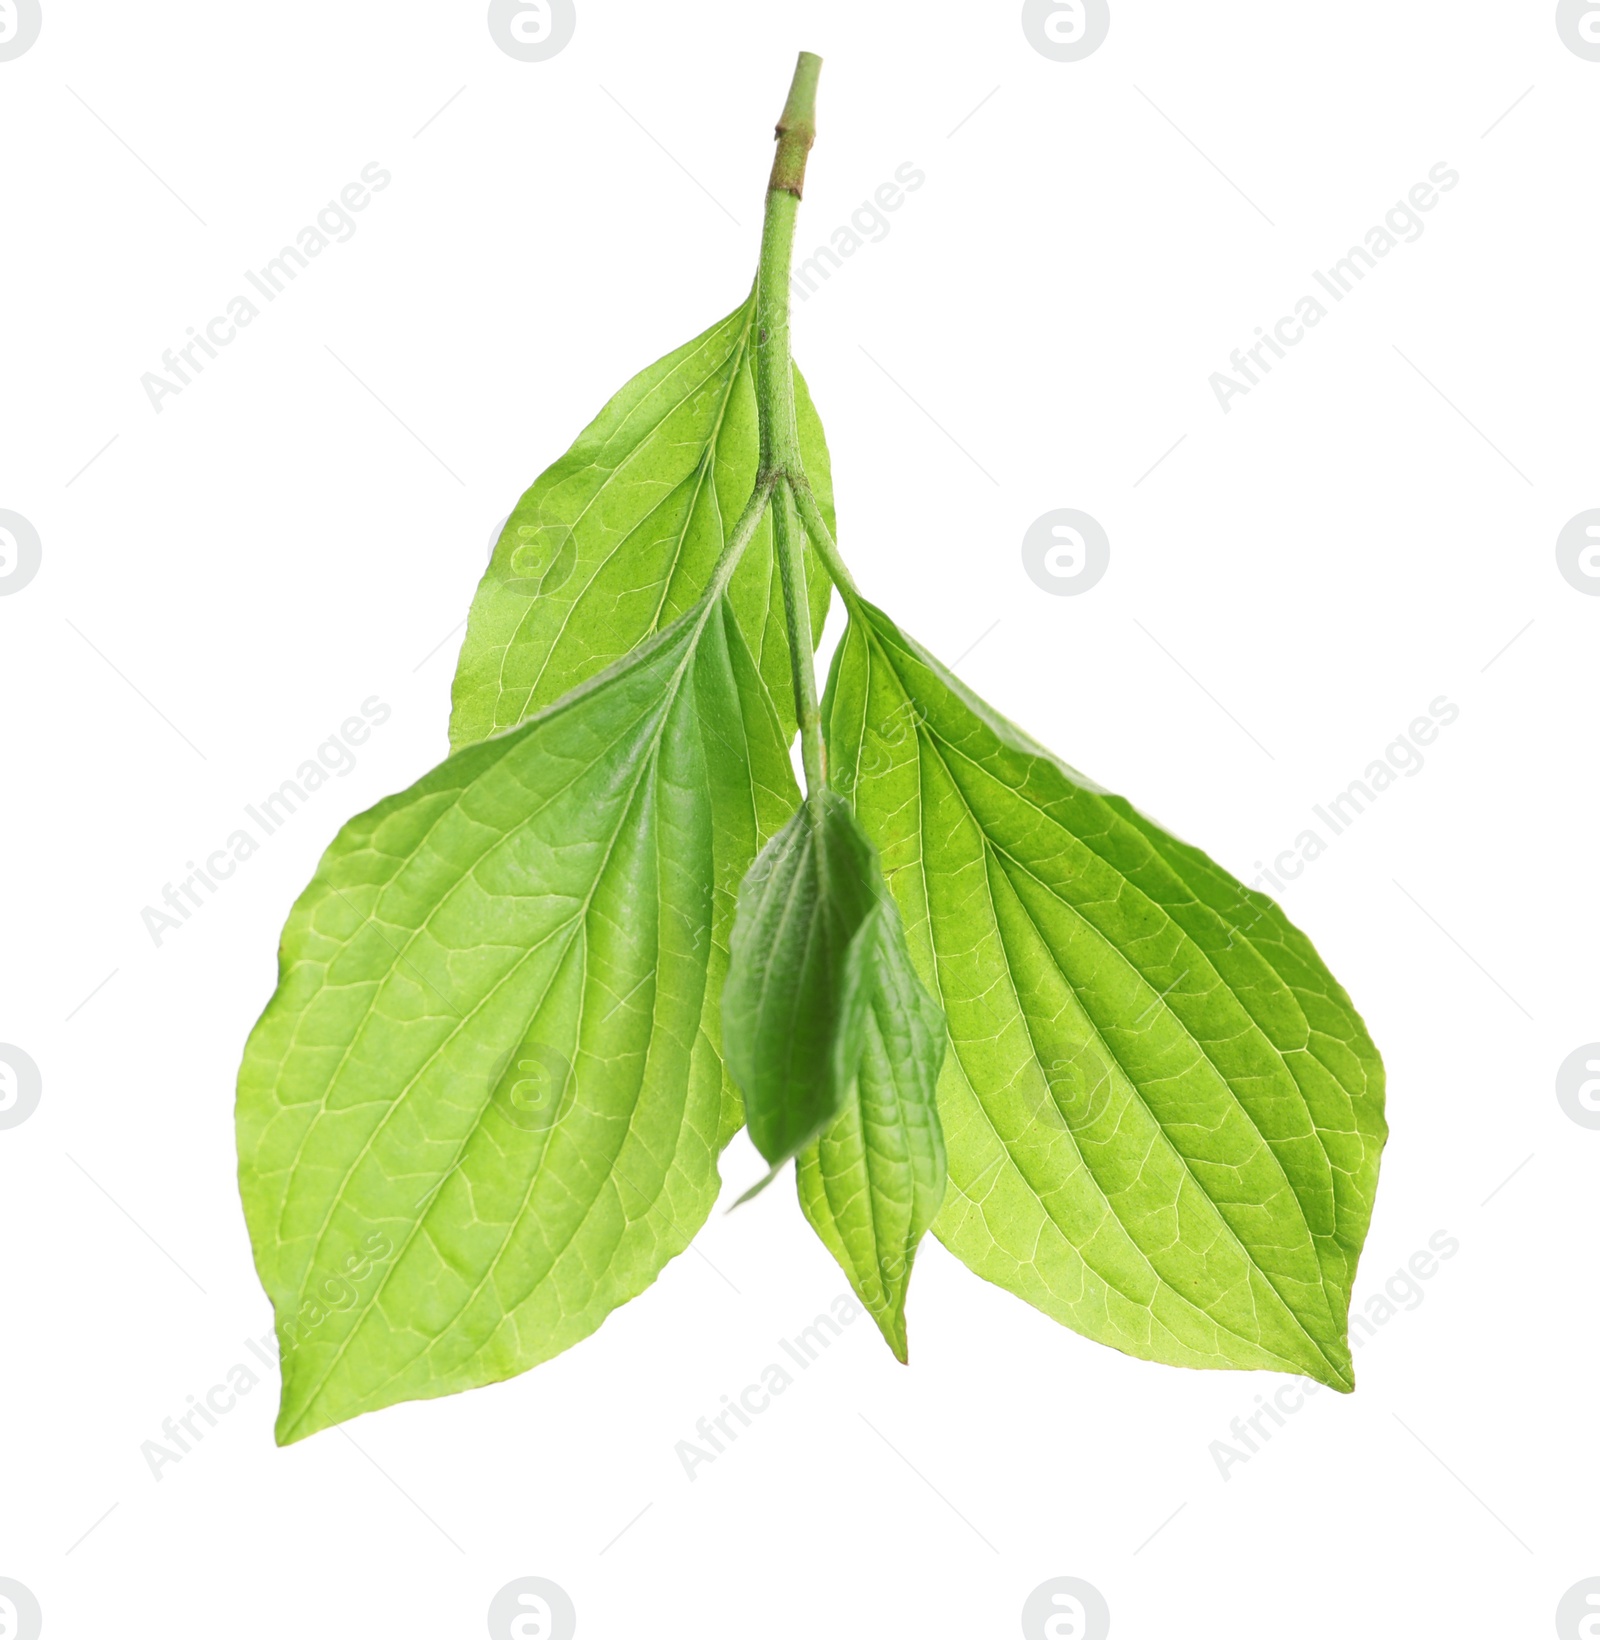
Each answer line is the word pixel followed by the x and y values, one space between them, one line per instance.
pixel 288 1431
pixel 1338 1374
pixel 760 1185
pixel 891 1322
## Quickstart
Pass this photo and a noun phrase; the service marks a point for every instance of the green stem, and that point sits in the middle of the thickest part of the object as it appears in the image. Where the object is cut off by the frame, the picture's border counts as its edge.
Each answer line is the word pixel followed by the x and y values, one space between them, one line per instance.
pixel 743 533
pixel 780 438
pixel 797 126
pixel 790 538
pixel 822 538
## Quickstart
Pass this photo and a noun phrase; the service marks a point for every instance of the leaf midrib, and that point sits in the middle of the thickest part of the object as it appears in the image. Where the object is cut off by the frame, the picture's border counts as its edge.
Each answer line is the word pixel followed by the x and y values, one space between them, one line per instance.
pixel 1012 864
pixel 1205 956
pixel 611 1171
pixel 1183 1161
pixel 734 362
pixel 1189 940
pixel 926 733
pixel 647 763
pixel 923 733
pixel 874 1217
pixel 462 1020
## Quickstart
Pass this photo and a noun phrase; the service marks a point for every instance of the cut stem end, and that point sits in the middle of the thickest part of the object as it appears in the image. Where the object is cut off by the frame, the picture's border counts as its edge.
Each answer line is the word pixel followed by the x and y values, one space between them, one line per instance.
pixel 797 128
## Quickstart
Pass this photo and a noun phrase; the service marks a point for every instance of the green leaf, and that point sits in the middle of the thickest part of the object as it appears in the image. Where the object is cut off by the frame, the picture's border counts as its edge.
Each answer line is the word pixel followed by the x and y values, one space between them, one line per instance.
pixel 487 1095
pixel 618 538
pixel 799 987
pixel 872 1184
pixel 1164 1116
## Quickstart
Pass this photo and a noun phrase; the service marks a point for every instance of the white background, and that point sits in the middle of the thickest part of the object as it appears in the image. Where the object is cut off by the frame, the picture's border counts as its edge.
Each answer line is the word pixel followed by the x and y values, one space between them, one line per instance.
pixel 1289 587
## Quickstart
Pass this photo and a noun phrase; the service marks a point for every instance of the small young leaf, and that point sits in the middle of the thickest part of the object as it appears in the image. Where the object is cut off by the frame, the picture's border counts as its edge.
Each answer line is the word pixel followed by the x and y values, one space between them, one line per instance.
pixel 618 538
pixel 872 1184
pixel 1164 1117
pixel 489 1078
pixel 800 983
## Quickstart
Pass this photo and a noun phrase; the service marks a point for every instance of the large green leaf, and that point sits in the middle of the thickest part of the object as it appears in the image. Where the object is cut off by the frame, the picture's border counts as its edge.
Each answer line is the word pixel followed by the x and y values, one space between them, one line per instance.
pixel 491 1069
pixel 872 1184
pixel 618 538
pixel 800 975
pixel 1163 1115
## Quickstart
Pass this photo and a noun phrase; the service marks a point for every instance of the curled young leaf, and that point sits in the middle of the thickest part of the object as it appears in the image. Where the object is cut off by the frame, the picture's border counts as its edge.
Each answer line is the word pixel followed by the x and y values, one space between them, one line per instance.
pixel 799 987
pixel 1163 1115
